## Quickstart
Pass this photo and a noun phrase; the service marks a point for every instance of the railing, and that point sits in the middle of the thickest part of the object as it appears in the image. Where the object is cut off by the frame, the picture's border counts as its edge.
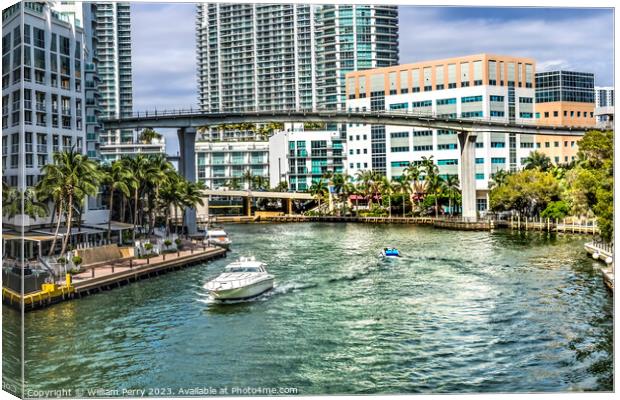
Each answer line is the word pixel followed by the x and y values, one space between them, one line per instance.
pixel 191 112
pixel 602 246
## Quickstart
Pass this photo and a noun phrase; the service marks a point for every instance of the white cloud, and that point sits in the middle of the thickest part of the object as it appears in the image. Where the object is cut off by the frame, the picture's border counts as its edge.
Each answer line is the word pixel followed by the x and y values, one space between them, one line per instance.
pixel 577 43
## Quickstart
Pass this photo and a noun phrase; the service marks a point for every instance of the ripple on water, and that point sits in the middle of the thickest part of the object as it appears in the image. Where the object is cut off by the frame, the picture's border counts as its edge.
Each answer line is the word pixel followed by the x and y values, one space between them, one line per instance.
pixel 460 312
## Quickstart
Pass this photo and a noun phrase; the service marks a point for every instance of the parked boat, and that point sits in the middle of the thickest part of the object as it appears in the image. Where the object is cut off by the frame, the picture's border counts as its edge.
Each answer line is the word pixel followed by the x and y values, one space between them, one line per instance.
pixel 240 280
pixel 390 252
pixel 218 238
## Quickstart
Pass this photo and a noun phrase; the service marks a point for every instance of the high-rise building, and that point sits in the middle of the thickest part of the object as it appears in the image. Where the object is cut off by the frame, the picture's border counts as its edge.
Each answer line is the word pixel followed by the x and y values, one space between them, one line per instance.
pixel 42 89
pixel 491 87
pixel 255 56
pixel 259 57
pixel 563 98
pixel 352 38
pixel 113 49
pixel 604 110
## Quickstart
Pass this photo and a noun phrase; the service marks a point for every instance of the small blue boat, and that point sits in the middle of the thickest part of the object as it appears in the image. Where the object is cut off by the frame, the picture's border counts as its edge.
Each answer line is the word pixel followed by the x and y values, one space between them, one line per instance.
pixel 390 252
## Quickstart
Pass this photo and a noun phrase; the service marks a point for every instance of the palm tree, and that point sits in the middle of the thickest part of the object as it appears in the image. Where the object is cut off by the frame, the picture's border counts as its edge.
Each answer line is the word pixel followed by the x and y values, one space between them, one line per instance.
pixel 33 206
pixel 148 134
pixel 191 195
pixel 401 186
pixel 539 160
pixel 452 188
pixel 370 182
pixel 141 168
pixel 116 177
pixel 73 176
pixel 234 184
pixel 318 190
pixel 498 178
pixel 11 204
pixel 435 185
pixel 386 189
pixel 248 177
pixel 260 182
pixel 160 170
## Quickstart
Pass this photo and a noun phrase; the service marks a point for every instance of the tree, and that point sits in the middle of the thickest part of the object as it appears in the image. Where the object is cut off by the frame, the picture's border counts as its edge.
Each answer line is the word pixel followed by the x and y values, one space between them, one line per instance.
pixel 451 187
pixel 318 190
pixel 116 177
pixel 498 178
pixel 248 177
pixel 387 190
pixel 73 176
pixel 538 160
pixel 527 192
pixel 141 168
pixel 281 187
pixel 148 134
pixel 555 210
pixel 435 185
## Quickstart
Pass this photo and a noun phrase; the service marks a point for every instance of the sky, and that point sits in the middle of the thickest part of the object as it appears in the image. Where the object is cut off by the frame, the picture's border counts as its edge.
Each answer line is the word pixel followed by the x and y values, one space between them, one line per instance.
pixel 580 39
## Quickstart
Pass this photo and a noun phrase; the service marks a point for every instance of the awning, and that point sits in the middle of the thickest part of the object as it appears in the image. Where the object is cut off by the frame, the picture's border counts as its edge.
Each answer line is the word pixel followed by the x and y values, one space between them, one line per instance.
pixel 115 226
pixel 33 237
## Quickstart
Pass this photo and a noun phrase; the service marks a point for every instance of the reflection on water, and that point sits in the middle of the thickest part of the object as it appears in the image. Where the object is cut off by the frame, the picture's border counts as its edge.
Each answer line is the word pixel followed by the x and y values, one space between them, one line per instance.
pixel 459 312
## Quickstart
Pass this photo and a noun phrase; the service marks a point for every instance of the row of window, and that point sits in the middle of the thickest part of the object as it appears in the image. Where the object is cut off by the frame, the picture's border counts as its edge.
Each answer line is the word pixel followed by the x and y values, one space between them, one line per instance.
pixel 572 114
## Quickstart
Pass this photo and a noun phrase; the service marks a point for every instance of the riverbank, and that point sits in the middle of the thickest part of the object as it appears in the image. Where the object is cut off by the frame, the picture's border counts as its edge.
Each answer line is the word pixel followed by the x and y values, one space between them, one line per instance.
pixel 109 276
pixel 546 225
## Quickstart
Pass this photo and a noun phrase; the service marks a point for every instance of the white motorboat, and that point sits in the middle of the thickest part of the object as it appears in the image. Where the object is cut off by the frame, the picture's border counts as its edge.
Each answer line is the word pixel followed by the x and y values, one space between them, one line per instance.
pixel 242 279
pixel 218 238
pixel 390 253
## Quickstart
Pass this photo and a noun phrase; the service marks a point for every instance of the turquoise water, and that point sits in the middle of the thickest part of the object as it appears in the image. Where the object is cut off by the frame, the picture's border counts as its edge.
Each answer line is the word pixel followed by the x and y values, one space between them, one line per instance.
pixel 460 312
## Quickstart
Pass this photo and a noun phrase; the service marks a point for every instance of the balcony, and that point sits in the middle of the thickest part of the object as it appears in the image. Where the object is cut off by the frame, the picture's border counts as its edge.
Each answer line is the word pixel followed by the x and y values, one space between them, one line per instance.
pixel 28 147
pixel 40 106
pixel 41 148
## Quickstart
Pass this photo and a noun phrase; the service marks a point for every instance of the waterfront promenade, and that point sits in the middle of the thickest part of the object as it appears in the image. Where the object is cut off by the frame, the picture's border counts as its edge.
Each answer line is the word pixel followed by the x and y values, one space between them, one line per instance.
pixel 111 275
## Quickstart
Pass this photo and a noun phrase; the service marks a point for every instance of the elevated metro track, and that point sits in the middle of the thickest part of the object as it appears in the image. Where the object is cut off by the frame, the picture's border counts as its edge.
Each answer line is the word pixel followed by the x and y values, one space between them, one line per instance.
pixel 196 119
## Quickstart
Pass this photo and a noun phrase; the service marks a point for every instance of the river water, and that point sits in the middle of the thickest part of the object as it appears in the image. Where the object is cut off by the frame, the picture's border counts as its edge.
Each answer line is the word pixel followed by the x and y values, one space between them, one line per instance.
pixel 460 312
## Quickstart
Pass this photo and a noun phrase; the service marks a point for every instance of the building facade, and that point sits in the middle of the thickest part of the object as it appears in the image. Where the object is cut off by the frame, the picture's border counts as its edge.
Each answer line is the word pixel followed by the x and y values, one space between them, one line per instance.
pixel 260 57
pixel 352 38
pixel 302 157
pixel 563 98
pixel 491 87
pixel 115 87
pixel 604 106
pixel 255 56
pixel 218 163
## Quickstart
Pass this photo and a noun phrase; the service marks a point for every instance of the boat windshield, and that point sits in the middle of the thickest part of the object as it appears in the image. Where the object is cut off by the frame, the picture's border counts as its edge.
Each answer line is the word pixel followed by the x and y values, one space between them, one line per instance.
pixel 244 269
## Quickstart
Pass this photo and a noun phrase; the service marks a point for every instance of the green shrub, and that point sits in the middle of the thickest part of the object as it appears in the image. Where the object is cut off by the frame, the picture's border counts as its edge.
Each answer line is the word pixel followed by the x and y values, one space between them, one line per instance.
pixel 77 260
pixel 555 210
pixel 167 242
pixel 148 246
pixel 61 260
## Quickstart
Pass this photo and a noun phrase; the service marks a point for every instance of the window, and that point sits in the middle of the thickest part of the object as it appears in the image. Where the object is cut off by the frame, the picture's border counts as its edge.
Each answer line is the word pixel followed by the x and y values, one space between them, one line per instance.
pixel 479 160
pixel 39 37
pixel 556 144
pixel 395 135
pixel 419 104
pixel 526 100
pixel 480 176
pixel 452 161
pixel 400 149
pixel 547 144
pixel 423 148
pixel 471 114
pixel 446 146
pixel 525 115
pixel 397 164
pixel 498 160
pixel 422 133
pixel 498 145
pixel 527 145
pixel 442 132
pixel 497 113
pixel 441 102
pixel 496 98
pixel 398 106
pixel 546 114
pixel 555 114
pixel 471 99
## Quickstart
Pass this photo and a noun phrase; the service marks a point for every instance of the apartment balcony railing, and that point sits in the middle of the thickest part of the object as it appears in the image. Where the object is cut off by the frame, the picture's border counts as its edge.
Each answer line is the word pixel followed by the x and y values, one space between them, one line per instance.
pixel 41 148
pixel 15 148
pixel 41 106
pixel 28 147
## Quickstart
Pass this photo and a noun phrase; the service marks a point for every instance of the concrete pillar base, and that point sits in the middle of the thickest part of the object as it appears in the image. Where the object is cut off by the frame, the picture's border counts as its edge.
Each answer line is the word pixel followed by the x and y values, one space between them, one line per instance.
pixel 467 143
pixel 187 168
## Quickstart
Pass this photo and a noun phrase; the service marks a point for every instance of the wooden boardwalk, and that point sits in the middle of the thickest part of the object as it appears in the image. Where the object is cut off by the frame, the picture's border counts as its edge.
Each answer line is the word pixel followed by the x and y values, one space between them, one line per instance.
pixel 110 276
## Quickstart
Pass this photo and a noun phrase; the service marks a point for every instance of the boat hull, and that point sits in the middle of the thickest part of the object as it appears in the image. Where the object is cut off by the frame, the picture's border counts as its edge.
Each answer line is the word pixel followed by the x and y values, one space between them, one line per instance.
pixel 244 292
pixel 220 243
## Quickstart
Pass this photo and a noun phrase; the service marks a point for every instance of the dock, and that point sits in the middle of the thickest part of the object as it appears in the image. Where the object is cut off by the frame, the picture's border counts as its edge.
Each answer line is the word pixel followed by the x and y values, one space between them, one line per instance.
pixel 603 252
pixel 110 276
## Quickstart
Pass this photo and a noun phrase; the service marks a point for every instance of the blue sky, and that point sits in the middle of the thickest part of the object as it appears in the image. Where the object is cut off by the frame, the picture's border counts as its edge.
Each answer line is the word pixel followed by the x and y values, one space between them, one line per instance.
pixel 164 60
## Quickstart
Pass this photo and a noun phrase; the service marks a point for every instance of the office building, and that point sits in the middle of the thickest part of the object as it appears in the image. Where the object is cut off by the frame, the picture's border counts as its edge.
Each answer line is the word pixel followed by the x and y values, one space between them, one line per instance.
pixel 217 163
pixel 301 157
pixel 352 38
pixel 491 87
pixel 563 98
pixel 113 49
pixel 287 56
pixel 604 107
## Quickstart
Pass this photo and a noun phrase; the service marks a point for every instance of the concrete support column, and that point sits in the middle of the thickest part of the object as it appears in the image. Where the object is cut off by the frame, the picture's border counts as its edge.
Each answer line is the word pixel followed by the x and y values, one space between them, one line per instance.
pixel 247 206
pixel 287 206
pixel 187 168
pixel 467 142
